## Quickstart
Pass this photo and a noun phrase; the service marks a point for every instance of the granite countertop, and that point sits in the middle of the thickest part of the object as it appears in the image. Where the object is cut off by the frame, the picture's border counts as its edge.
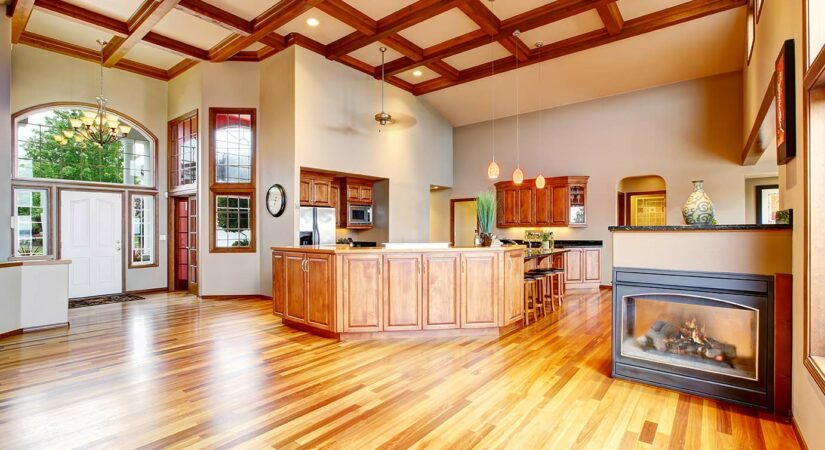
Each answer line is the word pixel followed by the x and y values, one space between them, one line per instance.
pixel 542 253
pixel 345 249
pixel 744 227
pixel 569 243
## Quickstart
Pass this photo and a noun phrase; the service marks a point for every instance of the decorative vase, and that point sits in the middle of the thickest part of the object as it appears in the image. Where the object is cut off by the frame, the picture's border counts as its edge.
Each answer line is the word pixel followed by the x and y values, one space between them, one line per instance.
pixel 698 209
pixel 486 239
pixel 545 245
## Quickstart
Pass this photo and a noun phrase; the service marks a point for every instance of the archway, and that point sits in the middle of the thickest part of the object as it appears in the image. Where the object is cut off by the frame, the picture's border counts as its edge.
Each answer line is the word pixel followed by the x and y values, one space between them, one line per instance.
pixel 642 201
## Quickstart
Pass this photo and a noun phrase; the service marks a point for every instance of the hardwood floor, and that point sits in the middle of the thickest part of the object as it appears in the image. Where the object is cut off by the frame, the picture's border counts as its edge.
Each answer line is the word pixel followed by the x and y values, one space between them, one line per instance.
pixel 175 371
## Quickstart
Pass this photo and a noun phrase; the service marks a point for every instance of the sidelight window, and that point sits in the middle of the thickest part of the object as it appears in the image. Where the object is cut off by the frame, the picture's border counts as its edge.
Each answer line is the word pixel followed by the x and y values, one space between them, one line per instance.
pixel 31 224
pixel 142 252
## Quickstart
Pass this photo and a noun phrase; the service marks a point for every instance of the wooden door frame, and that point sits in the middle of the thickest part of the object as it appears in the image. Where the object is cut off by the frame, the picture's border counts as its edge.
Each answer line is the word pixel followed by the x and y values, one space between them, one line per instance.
pixel 628 199
pixel 453 201
pixel 758 198
pixel 172 239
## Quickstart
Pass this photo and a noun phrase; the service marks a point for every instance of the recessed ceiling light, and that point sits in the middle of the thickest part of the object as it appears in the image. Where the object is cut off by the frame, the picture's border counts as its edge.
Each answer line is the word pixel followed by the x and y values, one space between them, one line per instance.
pixel 313 22
pixel 417 73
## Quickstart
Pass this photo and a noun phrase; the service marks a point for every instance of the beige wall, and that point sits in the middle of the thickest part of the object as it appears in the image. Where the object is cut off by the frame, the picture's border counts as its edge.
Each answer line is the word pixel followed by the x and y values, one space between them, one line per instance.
pixel 681 132
pixel 782 20
pixel 41 77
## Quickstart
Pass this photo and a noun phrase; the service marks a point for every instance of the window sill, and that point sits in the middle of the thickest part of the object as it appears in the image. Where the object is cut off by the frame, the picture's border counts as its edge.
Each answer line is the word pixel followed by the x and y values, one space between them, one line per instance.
pixel 816 367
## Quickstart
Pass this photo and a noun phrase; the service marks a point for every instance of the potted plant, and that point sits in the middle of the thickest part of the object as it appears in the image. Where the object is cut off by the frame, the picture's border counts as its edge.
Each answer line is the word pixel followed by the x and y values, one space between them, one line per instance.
pixel 547 240
pixel 486 210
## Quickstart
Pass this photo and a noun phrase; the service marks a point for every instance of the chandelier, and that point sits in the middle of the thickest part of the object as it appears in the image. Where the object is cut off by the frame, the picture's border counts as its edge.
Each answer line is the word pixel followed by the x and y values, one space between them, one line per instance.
pixel 98 127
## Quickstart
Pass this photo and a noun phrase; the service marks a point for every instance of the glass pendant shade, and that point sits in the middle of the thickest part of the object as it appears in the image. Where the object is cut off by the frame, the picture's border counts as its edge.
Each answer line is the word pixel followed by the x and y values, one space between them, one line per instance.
pixel 518 176
pixel 493 170
pixel 540 182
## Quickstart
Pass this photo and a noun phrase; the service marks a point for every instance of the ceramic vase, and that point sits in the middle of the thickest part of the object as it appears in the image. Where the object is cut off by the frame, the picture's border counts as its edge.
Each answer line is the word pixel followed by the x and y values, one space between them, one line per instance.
pixel 486 239
pixel 698 210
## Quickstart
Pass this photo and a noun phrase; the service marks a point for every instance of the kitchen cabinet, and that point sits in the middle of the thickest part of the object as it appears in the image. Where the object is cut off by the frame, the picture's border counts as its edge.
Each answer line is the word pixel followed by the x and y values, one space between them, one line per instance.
pixel 582 267
pixel 363 292
pixel 306 288
pixel 278 283
pixel 442 282
pixel 335 193
pixel 561 203
pixel 402 292
pixel 316 189
pixel 358 191
pixel 479 290
pixel 514 286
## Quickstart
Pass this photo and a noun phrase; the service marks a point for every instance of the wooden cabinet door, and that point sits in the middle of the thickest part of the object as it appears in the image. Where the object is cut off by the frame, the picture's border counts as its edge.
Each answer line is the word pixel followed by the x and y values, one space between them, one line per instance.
pixel 335 194
pixel 363 293
pixel 479 289
pixel 513 287
pixel 295 287
pixel 558 261
pixel 573 265
pixel 319 290
pixel 558 205
pixel 402 292
pixel 509 207
pixel 500 208
pixel 304 193
pixel 321 193
pixel 525 206
pixel 353 193
pixel 278 283
pixel 544 207
pixel 592 264
pixel 442 281
pixel 365 194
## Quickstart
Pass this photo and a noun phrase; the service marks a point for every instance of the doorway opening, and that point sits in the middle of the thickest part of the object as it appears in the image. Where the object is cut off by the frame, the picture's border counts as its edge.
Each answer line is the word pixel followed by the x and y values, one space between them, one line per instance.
pixel 463 222
pixel 183 257
pixel 642 201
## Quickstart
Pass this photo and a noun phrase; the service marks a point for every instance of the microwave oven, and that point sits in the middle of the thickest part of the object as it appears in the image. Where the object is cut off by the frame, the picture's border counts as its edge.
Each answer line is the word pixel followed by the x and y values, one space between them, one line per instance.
pixel 360 215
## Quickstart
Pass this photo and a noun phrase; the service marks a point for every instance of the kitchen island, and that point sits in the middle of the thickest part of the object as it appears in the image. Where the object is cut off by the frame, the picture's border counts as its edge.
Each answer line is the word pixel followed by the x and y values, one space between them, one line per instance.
pixel 367 293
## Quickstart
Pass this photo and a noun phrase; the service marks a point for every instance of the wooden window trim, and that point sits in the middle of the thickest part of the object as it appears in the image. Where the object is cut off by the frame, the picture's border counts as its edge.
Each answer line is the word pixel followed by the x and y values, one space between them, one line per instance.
pixel 752 21
pixel 81 184
pixel 213 112
pixel 155 231
pixel 185 188
pixel 813 74
pixel 213 248
pixel 50 226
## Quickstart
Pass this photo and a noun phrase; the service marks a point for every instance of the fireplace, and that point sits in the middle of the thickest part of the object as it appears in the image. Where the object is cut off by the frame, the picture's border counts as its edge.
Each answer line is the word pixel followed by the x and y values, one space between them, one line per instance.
pixel 708 334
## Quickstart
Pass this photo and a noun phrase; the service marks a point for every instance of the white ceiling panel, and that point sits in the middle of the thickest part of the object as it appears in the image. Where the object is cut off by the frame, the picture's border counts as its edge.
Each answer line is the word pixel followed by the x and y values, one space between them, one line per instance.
pixel 254 47
pixel 476 56
pixel 378 9
pixel 426 74
pixel 563 29
pixel 440 28
pixel 632 9
pixel 328 29
pixel 116 9
pixel 153 56
pixel 248 9
pixel 504 9
pixel 58 27
pixel 372 56
pixel 191 30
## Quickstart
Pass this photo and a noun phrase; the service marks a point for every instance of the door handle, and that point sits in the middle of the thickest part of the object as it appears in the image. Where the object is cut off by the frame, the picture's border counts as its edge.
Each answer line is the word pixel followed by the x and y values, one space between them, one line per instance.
pixel 118 244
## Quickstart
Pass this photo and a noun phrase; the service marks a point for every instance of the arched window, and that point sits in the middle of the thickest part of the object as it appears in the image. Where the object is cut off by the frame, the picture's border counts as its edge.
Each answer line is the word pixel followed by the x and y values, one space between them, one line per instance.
pixel 47 148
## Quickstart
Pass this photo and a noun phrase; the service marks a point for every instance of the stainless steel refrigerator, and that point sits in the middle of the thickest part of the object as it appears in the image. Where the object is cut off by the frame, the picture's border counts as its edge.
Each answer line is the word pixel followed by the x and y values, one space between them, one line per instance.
pixel 317 226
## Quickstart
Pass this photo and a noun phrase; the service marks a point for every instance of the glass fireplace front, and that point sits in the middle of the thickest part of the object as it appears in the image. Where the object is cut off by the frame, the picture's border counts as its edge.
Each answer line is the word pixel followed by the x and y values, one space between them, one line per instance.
pixel 691 332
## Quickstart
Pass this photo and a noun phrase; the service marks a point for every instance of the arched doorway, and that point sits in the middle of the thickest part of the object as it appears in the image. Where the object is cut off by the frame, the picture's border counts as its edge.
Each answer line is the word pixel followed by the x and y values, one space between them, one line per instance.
pixel 642 201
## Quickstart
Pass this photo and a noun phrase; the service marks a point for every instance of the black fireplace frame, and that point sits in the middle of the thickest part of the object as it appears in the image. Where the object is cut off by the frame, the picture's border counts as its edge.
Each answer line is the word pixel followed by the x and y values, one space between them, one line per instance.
pixel 750 291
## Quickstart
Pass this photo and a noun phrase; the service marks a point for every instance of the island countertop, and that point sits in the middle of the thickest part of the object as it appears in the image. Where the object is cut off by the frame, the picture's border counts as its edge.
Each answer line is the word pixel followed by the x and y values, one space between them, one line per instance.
pixel 346 249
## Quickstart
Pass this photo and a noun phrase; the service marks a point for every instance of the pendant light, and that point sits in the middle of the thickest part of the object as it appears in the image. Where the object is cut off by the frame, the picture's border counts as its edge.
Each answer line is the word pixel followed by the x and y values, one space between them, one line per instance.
pixel 382 118
pixel 540 182
pixel 518 175
pixel 493 171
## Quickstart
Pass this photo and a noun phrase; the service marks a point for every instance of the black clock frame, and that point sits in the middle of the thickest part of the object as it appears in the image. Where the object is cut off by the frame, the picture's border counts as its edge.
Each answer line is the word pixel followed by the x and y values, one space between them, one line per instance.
pixel 283 195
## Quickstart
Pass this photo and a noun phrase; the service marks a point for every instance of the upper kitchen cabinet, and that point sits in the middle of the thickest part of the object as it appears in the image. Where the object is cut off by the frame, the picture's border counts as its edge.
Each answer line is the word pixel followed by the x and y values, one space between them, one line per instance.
pixel 316 189
pixel 358 191
pixel 561 203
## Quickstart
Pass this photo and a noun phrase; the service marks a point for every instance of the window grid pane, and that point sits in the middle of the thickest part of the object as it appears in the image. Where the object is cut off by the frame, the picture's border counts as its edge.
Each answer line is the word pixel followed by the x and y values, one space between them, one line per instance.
pixel 143 230
pixel 31 230
pixel 184 152
pixel 232 221
pixel 233 148
pixel 39 155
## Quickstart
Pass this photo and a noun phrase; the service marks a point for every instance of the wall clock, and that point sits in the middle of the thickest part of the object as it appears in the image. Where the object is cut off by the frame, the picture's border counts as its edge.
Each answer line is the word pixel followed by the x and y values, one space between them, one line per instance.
pixel 276 200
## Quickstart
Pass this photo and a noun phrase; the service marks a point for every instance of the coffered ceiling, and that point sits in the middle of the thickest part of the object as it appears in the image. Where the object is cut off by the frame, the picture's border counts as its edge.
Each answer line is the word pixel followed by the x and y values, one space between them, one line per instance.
pixel 433 44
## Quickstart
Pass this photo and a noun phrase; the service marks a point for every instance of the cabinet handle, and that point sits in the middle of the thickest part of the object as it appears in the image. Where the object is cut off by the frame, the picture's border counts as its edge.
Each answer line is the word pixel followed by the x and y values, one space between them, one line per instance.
pixel 305 265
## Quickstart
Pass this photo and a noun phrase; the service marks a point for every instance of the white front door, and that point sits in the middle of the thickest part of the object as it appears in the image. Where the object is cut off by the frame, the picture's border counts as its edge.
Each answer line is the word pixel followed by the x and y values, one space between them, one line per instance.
pixel 90 234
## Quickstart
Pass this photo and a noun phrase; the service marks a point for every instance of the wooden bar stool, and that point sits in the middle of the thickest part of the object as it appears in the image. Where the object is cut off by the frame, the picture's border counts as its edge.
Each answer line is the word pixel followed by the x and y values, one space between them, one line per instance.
pixel 546 285
pixel 531 293
pixel 556 280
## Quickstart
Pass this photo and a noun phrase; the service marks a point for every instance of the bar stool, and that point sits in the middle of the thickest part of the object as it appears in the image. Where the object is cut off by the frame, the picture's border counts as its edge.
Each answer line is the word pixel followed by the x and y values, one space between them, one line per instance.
pixel 547 290
pixel 530 295
pixel 556 278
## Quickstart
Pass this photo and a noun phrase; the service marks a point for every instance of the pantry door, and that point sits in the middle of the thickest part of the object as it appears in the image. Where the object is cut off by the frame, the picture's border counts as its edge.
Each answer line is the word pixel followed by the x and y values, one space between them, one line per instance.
pixel 90 236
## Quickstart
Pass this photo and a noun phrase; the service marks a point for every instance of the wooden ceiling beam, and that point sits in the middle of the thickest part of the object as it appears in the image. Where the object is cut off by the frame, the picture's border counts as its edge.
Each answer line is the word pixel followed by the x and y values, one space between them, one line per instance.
pixel 691 10
pixel 180 67
pixel 481 15
pixel 611 17
pixel 444 69
pixel 404 46
pixel 218 16
pixel 517 47
pixel 140 24
pixel 175 46
pixel 275 17
pixel 84 16
pixel 342 11
pixel 391 24
pixel 19 11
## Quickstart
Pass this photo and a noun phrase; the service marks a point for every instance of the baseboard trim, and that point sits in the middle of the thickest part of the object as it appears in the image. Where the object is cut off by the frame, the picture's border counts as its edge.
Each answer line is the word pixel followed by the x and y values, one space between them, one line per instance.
pixel 33 329
pixel 236 297
pixel 148 291
pixel 11 333
pixel 798 433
